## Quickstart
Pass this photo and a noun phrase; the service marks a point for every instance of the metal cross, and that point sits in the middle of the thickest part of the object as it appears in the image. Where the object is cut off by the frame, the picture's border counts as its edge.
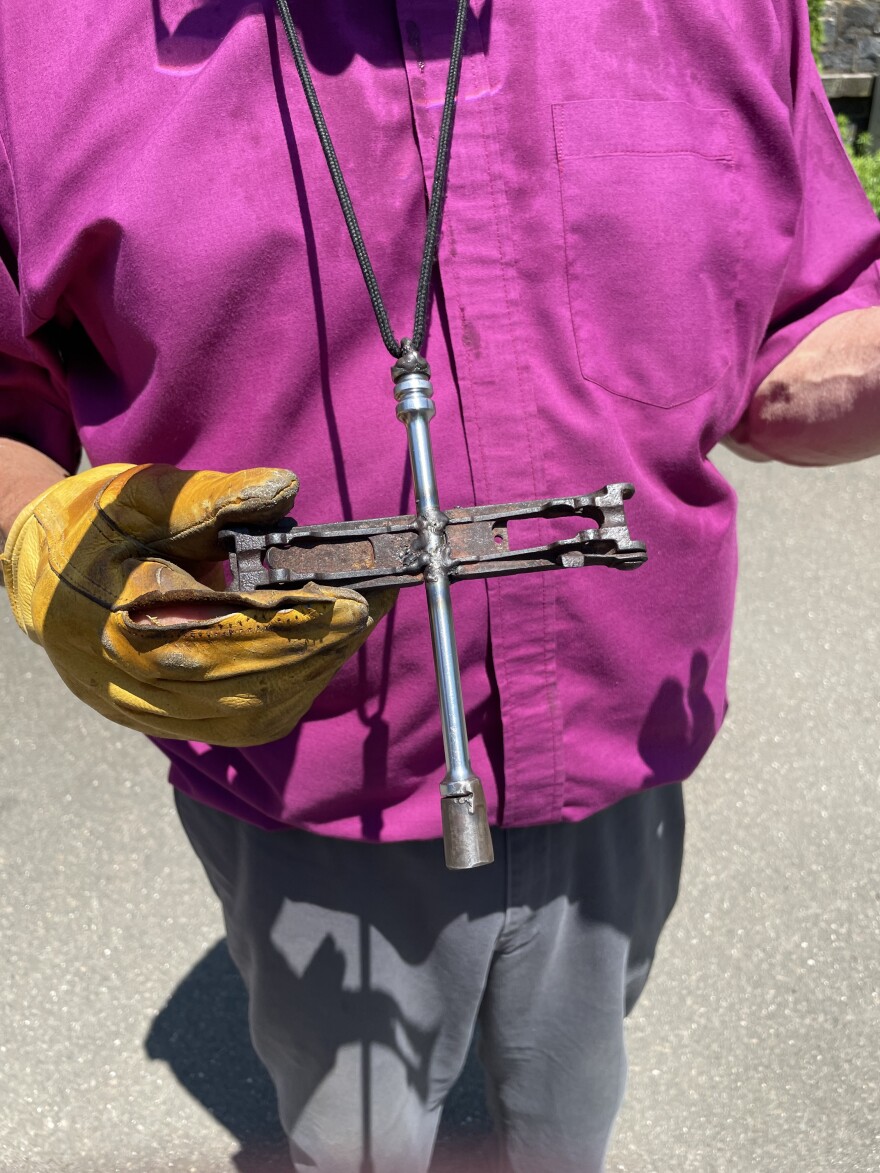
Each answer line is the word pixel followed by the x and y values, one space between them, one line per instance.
pixel 435 548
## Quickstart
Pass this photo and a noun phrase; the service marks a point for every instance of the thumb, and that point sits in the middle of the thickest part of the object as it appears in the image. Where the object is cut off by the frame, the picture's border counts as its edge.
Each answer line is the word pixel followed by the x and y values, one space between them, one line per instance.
pixel 179 513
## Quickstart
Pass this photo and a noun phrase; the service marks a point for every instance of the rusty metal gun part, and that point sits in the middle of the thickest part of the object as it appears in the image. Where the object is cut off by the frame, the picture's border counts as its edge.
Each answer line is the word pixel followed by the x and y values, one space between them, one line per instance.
pixel 391 551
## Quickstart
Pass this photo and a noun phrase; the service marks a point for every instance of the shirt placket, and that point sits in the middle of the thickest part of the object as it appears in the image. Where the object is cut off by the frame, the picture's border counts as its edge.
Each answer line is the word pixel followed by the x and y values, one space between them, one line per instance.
pixel 498 403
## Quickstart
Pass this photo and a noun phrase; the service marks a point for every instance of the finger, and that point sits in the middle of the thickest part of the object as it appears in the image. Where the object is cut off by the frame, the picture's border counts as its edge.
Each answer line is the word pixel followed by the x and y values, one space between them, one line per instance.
pixel 192 633
pixel 178 513
pixel 238 713
pixel 211 712
pixel 224 684
pixel 154 591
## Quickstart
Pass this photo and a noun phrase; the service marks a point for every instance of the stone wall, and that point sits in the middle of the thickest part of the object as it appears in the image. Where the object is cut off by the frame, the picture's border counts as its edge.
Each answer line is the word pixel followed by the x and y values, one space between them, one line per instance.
pixel 851 36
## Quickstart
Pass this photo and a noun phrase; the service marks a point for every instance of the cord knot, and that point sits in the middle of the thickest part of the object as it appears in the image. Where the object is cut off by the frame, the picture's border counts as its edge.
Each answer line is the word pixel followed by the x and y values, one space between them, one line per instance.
pixel 409 362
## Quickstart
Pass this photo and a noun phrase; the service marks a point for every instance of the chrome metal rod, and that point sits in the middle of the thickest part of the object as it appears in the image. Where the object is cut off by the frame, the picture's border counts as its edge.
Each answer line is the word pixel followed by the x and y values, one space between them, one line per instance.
pixel 466 838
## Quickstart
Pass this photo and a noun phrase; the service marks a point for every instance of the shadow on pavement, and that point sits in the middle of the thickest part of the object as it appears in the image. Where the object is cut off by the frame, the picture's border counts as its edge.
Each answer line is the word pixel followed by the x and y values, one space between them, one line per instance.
pixel 202 1034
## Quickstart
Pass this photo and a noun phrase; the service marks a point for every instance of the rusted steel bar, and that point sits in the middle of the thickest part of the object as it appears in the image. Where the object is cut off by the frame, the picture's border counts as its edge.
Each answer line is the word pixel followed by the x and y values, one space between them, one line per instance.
pixel 389 551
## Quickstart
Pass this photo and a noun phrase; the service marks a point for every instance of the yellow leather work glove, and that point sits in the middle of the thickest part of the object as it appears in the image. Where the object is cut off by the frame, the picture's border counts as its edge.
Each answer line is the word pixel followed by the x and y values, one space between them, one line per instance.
pixel 108 570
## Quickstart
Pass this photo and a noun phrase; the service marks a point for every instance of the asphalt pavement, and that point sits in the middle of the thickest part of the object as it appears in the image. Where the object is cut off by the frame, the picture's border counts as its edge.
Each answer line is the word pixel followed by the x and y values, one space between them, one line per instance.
pixel 123 1034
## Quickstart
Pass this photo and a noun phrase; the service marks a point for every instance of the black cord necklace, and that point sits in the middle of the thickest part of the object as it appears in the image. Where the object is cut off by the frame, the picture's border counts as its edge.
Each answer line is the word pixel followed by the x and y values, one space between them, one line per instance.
pixel 408 349
pixel 466 836
pixel 433 557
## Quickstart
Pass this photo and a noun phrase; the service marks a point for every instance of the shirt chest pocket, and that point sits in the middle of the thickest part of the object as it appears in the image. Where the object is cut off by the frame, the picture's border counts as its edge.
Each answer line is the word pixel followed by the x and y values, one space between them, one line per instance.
pixel 651 245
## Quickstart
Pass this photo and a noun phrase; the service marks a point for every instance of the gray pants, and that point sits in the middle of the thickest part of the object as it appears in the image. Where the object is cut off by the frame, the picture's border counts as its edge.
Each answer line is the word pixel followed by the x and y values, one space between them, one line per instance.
pixel 368 967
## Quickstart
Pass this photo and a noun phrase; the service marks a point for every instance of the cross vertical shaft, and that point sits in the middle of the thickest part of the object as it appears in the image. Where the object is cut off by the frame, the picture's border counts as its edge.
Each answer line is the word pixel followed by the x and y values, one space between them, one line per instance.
pixel 466 838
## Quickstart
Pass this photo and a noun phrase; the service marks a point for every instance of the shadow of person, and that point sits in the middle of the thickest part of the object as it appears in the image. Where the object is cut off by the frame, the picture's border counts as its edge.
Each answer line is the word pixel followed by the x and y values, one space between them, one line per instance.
pixel 202 1034
pixel 679 727
pixel 184 43
pixel 624 859
pixel 188 33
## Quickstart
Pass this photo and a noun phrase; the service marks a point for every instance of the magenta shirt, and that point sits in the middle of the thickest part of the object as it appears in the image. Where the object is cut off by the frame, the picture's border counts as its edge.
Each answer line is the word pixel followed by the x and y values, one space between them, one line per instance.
pixel 648 207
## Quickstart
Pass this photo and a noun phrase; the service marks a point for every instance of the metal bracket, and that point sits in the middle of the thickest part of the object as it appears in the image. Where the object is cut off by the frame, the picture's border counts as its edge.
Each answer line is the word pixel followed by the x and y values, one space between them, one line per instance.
pixel 393 552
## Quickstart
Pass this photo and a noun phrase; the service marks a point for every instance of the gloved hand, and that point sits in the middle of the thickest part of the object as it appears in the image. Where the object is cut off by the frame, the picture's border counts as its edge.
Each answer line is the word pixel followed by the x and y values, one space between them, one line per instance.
pixel 112 571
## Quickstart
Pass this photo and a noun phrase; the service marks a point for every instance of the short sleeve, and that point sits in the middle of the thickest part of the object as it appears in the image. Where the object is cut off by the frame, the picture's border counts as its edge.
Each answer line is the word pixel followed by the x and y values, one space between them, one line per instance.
pixel 34 405
pixel 833 263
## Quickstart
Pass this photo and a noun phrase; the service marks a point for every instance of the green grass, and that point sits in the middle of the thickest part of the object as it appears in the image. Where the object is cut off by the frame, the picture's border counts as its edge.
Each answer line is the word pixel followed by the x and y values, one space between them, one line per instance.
pixel 815 9
pixel 865 161
pixel 816 28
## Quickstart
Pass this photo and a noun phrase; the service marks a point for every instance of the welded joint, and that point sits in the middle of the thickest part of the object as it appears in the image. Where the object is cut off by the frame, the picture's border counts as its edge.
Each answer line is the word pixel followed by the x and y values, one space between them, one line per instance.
pixel 431 554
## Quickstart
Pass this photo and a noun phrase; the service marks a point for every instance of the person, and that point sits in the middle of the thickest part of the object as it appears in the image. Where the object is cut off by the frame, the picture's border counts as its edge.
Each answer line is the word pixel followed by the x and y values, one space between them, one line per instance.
pixel 652 241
